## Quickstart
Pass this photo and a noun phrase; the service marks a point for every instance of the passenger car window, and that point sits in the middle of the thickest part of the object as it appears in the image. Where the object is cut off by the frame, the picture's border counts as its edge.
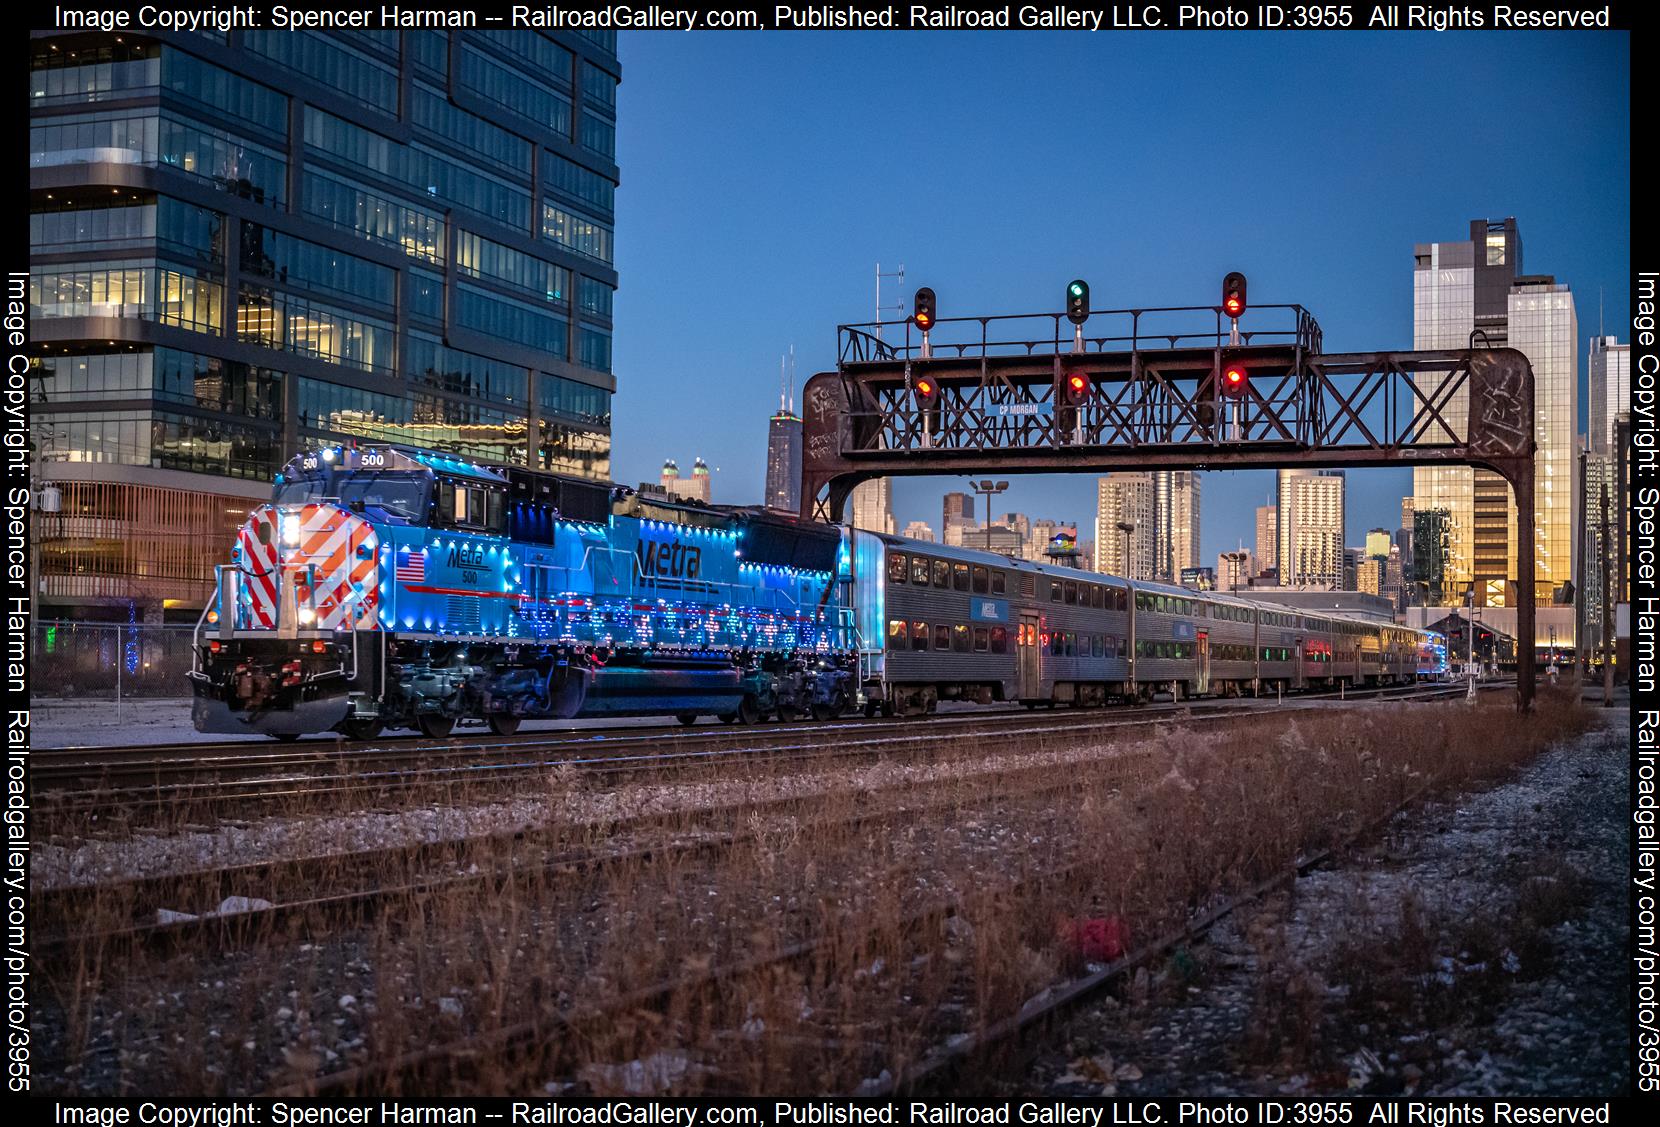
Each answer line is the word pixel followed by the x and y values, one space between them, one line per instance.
pixel 959 576
pixel 897 634
pixel 981 581
pixel 898 564
pixel 1071 593
pixel 998 583
pixel 919 570
pixel 1054 591
pixel 961 641
pixel 942 636
pixel 980 639
pixel 942 573
pixel 919 635
pixel 999 640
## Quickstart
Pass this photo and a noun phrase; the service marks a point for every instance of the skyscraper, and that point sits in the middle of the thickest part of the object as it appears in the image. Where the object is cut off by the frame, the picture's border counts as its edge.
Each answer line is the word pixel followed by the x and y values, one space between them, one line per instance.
pixel 784 461
pixel 1311 515
pixel 957 507
pixel 244 244
pixel 1459 288
pixel 871 506
pixel 784 445
pixel 1609 365
pixel 1125 499
pixel 1268 536
pixel 1176 519
pixel 919 530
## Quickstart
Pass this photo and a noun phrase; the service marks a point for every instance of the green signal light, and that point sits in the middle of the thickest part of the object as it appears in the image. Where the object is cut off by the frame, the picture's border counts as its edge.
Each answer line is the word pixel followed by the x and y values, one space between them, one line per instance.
pixel 1077 290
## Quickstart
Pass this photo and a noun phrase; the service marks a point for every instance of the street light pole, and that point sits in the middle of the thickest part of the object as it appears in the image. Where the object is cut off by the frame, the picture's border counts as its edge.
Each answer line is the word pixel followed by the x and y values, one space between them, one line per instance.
pixel 1127 527
pixel 988 490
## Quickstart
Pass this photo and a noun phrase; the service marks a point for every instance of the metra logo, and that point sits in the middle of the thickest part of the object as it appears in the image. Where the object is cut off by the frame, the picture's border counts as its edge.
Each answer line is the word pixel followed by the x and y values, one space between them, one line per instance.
pixel 466 555
pixel 669 561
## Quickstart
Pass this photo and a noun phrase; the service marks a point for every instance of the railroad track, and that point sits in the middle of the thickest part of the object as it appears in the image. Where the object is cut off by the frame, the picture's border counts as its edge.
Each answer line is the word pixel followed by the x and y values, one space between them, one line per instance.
pixel 328 908
pixel 88 781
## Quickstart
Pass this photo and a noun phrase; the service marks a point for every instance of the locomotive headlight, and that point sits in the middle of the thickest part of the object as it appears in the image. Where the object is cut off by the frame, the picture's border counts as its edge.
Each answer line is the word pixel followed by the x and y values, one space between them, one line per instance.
pixel 291 531
pixel 307 616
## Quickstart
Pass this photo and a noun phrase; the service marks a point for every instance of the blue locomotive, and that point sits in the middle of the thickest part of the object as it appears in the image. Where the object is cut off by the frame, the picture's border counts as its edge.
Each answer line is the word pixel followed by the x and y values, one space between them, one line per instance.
pixel 385 586
pixel 390 587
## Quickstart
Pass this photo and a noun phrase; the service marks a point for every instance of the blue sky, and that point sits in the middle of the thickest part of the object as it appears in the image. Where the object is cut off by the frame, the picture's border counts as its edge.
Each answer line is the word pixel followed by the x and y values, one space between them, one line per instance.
pixel 765 174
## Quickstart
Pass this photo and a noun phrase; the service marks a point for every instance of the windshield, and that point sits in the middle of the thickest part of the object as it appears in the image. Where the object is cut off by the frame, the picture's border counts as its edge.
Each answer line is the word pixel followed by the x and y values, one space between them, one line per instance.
pixel 299 492
pixel 398 497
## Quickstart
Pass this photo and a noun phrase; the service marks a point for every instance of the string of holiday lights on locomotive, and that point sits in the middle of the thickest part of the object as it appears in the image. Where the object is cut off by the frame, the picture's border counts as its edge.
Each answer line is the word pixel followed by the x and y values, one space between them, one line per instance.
pixel 384 586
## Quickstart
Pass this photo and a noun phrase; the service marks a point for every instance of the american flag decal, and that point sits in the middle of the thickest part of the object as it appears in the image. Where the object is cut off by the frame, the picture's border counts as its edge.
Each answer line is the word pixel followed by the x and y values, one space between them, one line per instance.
pixel 413 569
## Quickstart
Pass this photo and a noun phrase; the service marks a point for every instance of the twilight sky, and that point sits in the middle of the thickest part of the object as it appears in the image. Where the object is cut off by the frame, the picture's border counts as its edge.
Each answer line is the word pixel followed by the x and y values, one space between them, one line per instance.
pixel 765 174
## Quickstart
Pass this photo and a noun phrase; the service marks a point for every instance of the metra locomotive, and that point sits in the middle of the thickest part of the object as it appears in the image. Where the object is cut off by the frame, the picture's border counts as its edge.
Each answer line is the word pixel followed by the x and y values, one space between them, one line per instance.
pixel 390 587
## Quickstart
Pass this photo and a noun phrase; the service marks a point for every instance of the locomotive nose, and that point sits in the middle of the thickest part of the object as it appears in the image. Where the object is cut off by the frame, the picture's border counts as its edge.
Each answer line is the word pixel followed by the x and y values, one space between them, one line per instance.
pixel 311 566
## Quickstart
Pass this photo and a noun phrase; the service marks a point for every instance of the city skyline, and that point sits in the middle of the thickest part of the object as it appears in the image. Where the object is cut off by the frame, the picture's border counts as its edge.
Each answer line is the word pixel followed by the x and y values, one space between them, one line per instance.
pixel 1338 244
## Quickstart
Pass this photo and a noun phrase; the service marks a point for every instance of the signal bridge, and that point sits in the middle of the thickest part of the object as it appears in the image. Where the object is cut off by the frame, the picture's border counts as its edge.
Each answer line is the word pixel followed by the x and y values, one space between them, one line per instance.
pixel 1227 386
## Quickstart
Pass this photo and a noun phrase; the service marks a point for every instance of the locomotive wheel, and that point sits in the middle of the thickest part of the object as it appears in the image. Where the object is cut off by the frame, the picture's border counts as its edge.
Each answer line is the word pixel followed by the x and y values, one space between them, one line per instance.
pixel 361 727
pixel 687 719
pixel 503 724
pixel 870 709
pixel 748 711
pixel 788 714
pixel 435 725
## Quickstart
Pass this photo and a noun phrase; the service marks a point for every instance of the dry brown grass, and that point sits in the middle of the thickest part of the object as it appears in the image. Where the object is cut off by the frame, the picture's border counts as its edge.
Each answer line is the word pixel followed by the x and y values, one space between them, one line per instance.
pixel 908 928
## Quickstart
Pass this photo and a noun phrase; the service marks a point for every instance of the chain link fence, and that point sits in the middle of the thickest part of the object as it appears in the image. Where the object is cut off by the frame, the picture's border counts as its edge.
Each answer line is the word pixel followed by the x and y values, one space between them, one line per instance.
pixel 109 661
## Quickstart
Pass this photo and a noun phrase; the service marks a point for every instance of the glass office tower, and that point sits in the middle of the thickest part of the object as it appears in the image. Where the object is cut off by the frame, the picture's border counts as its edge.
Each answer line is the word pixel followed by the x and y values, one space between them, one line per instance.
pixel 245 244
pixel 1475 289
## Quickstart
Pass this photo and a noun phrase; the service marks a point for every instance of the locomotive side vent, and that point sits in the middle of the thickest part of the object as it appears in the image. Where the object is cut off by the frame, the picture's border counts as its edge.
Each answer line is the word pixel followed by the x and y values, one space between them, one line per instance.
pixel 1028 586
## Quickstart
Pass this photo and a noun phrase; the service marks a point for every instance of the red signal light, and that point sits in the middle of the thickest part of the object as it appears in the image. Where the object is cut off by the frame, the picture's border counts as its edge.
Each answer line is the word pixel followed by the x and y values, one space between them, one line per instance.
pixel 1078 383
pixel 1234 307
pixel 924 388
pixel 1236 376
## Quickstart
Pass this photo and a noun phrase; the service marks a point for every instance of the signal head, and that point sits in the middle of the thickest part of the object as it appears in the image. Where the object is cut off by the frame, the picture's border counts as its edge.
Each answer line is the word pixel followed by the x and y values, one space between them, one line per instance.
pixel 1075 389
pixel 1235 380
pixel 922 309
pixel 1077 301
pixel 1233 294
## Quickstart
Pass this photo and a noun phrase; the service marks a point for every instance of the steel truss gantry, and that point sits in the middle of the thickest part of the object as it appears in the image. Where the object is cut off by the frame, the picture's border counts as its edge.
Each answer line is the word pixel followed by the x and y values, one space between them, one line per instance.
pixel 1154 402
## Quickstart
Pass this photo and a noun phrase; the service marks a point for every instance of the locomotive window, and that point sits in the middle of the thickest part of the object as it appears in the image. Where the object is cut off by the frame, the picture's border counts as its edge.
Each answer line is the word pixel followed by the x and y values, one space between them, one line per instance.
pixel 982 581
pixel 398 495
pixel 959 576
pixel 919 570
pixel 999 583
pixel 942 573
pixel 898 564
pixel 1071 593
pixel 1054 591
pixel 961 640
pixel 897 634
pixel 942 636
pixel 999 640
pixel 981 641
pixel 919 635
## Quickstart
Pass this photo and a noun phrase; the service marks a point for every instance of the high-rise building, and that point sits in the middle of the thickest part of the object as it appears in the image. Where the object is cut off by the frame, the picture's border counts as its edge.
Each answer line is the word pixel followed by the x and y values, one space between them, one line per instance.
pixel 1378 543
pixel 1601 510
pixel 701 485
pixel 1310 508
pixel 1609 365
pixel 1124 525
pixel 871 506
pixel 1176 523
pixel 246 244
pixel 957 507
pixel 917 530
pixel 1458 289
pixel 1431 555
pixel 1370 575
pixel 1268 534
pixel 670 480
pixel 784 461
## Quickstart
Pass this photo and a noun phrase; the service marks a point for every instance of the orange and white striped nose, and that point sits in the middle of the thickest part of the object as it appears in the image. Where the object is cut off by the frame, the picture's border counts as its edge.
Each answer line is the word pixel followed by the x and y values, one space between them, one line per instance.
pixel 327 555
